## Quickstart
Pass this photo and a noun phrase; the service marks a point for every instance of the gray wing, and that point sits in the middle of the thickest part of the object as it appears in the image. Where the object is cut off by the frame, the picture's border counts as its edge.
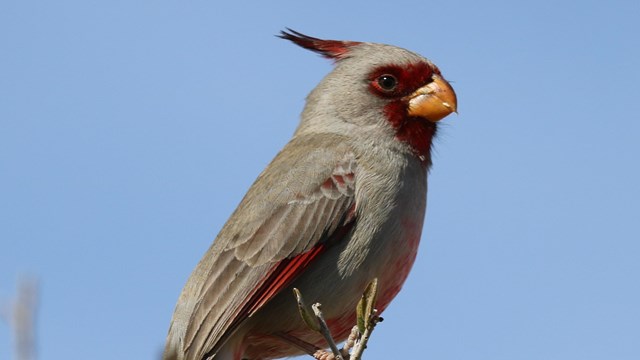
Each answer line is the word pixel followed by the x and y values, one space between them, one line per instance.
pixel 299 200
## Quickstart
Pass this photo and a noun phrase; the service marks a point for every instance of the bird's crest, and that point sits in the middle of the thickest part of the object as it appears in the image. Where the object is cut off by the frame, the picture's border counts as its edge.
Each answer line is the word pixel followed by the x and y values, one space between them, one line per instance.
pixel 332 49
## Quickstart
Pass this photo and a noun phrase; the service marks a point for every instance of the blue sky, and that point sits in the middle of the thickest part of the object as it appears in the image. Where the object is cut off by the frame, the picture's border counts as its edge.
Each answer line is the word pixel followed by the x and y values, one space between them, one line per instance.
pixel 130 130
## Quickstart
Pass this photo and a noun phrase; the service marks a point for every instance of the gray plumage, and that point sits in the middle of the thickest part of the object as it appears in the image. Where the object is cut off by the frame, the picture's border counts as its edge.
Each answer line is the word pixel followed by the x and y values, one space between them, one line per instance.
pixel 344 170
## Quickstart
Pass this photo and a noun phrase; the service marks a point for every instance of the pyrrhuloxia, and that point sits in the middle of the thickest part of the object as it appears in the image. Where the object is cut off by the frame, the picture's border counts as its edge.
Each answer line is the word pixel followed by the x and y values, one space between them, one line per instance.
pixel 341 204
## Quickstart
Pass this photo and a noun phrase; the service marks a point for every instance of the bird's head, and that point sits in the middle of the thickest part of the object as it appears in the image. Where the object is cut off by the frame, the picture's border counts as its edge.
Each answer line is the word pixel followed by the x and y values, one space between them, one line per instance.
pixel 376 86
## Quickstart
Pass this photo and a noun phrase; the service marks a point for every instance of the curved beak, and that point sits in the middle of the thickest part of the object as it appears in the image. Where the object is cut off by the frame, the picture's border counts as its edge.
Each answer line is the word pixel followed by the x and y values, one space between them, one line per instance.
pixel 433 101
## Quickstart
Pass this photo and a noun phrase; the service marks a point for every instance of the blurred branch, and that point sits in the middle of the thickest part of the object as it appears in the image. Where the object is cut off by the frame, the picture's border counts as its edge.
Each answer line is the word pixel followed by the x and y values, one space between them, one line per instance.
pixel 21 316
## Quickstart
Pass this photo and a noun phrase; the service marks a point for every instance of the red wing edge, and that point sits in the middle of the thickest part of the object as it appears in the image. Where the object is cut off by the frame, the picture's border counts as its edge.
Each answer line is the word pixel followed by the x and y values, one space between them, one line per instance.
pixel 281 275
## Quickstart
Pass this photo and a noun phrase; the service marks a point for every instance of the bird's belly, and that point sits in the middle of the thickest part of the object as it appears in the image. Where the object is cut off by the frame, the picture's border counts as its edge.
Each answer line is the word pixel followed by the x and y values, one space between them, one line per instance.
pixel 402 256
pixel 338 295
pixel 383 245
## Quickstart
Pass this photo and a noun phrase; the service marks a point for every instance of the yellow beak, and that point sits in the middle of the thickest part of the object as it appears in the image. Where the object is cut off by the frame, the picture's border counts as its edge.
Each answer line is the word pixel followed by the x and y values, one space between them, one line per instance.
pixel 433 101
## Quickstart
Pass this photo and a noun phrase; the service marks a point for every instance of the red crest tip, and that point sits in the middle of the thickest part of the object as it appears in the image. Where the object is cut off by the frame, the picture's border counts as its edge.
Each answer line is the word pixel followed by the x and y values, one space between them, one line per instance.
pixel 332 49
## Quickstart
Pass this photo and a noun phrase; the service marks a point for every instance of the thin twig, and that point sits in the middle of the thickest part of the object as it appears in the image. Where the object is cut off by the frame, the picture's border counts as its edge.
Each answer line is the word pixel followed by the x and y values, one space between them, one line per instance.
pixel 358 349
pixel 367 319
pixel 324 330
pixel 351 340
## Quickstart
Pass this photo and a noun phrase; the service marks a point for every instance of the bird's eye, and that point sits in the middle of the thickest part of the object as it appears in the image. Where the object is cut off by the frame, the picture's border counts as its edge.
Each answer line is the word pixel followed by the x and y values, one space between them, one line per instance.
pixel 387 82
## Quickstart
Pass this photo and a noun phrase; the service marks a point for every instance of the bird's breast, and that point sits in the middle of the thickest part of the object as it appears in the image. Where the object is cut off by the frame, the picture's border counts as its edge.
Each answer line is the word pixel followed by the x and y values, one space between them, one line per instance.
pixel 389 227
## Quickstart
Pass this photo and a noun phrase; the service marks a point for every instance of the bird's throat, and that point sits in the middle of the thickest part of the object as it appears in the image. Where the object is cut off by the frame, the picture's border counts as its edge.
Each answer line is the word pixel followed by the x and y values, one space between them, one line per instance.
pixel 416 132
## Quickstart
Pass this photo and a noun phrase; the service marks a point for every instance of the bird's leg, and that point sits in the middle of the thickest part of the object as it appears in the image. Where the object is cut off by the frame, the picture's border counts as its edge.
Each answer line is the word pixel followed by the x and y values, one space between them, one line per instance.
pixel 298 343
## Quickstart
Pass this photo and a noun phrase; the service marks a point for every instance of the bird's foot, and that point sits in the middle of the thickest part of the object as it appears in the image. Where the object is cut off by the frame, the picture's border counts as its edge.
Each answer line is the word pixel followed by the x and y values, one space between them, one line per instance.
pixel 328 355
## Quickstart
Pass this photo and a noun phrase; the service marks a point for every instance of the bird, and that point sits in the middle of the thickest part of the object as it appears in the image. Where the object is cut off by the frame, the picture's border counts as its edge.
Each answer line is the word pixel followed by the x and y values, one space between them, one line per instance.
pixel 341 204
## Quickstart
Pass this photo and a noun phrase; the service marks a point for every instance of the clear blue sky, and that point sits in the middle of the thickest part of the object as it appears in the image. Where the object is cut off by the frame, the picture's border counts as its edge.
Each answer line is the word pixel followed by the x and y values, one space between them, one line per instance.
pixel 130 130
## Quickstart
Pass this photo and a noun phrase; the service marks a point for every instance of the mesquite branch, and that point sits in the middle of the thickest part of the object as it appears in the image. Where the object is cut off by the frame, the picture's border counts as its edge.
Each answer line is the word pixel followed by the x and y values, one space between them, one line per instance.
pixel 367 319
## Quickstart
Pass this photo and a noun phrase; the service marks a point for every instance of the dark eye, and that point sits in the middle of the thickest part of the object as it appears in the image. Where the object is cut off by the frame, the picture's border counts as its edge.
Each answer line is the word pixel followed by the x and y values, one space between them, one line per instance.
pixel 387 82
